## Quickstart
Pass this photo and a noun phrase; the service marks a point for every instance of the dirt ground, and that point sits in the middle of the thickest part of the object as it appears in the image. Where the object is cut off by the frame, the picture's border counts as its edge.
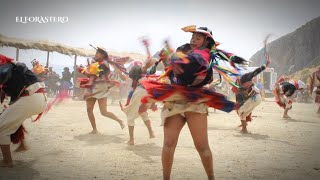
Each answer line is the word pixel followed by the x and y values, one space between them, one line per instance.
pixel 61 148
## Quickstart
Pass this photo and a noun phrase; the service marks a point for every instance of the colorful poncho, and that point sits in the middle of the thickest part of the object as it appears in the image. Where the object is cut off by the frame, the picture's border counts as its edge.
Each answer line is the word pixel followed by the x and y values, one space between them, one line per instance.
pixel 189 84
pixel 163 92
pixel 195 66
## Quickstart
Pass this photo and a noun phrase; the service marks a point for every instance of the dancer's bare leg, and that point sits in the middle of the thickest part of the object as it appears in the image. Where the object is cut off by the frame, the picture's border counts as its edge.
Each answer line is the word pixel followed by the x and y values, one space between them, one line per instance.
pixel 198 126
pixel 148 124
pixel 244 126
pixel 285 114
pixel 22 147
pixel 90 105
pixel 103 110
pixel 131 134
pixel 6 153
pixel 172 128
pixel 143 108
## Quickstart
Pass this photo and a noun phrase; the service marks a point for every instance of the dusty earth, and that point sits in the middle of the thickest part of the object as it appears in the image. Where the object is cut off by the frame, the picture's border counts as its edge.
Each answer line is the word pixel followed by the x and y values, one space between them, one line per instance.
pixel 61 148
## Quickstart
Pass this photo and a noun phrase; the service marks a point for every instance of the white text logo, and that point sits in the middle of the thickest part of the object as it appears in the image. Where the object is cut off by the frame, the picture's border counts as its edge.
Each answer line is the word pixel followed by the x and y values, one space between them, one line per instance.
pixel 42 19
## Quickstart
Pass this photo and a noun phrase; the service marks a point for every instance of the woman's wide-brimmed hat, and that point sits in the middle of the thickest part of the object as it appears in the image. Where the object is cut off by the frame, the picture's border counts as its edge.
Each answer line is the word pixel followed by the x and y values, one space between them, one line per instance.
pixel 195 29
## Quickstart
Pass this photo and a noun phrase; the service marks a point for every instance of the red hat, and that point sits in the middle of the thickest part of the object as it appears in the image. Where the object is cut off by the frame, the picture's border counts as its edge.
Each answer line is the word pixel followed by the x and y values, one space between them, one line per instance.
pixel 4 59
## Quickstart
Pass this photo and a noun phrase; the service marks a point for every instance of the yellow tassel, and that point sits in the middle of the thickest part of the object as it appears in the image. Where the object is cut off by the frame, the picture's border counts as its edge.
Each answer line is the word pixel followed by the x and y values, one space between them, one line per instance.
pixel 94 68
pixel 38 69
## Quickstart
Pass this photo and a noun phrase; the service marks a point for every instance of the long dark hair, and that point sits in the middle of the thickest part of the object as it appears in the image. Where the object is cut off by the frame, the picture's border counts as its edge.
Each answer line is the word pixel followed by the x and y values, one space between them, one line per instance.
pixel 211 43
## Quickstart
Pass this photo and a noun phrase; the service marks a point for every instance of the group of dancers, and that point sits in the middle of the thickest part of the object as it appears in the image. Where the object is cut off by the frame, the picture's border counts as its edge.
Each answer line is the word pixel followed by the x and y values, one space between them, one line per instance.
pixel 183 89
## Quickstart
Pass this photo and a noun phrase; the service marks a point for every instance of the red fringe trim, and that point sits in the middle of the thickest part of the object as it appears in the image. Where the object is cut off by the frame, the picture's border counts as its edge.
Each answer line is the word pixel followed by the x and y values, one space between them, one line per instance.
pixel 38 117
pixel 281 104
pixel 18 136
pixel 83 82
pixel 249 118
pixel 62 96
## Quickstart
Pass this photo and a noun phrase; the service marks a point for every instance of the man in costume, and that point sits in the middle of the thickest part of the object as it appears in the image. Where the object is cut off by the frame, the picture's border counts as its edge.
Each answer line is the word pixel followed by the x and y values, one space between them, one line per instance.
pixel 66 83
pixel 134 107
pixel 285 90
pixel 248 96
pixel 38 69
pixel 133 104
pixel 27 98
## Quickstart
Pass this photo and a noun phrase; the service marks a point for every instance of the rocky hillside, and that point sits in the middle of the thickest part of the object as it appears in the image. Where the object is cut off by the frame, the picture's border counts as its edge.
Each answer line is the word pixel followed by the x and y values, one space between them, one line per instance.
pixel 300 49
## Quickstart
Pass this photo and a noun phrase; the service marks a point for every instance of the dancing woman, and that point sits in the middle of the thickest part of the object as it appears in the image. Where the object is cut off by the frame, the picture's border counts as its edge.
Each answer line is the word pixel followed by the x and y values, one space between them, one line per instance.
pixel 99 90
pixel 185 99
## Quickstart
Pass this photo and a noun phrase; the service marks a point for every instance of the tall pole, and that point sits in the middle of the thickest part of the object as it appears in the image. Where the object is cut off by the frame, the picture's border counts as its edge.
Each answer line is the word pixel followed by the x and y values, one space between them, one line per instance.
pixel 17 54
pixel 47 65
pixel 74 75
pixel 263 92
